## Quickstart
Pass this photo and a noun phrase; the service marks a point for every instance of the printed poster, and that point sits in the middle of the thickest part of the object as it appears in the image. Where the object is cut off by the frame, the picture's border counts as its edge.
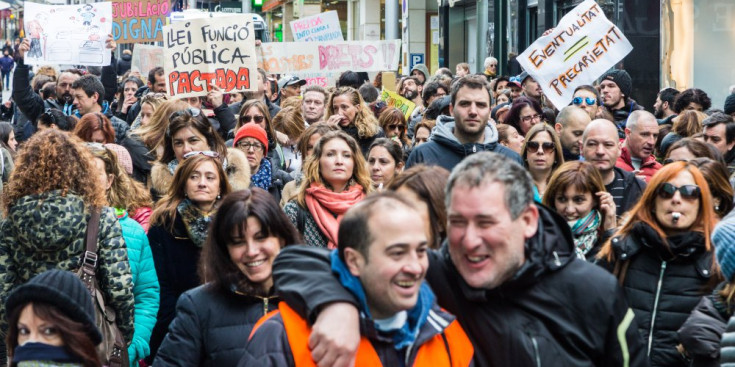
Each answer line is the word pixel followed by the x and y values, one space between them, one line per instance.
pixel 317 28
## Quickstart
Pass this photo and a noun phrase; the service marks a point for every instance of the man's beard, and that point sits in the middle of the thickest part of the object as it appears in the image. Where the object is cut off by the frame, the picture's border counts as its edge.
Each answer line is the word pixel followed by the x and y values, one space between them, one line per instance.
pixel 410 95
pixel 659 113
pixel 66 98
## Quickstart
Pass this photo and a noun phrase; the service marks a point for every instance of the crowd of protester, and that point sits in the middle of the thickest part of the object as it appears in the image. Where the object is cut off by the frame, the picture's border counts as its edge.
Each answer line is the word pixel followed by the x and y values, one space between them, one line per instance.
pixel 296 225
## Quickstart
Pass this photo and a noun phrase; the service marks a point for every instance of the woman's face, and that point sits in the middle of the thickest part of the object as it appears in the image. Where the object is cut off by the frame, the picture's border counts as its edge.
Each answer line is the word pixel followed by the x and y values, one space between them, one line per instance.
pixel 681 154
pixel 12 143
pixel 146 111
pixel 540 159
pixel 188 140
pixel 202 185
pixel 255 116
pixel 528 118
pixel 254 152
pixel 104 179
pixel 311 144
pixel 336 164
pixel 254 253
pixel 573 204
pixel 98 137
pixel 341 105
pixel 129 90
pixel 382 166
pixel 687 208
pixel 515 140
pixel 32 328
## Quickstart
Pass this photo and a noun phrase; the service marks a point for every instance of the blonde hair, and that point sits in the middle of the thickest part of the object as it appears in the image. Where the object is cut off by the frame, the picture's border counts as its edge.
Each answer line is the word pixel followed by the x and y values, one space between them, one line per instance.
pixel 366 123
pixel 154 131
pixel 125 192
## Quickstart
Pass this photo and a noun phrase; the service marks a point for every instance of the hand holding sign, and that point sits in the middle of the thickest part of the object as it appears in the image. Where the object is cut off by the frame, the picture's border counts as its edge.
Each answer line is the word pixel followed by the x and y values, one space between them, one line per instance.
pixel 215 96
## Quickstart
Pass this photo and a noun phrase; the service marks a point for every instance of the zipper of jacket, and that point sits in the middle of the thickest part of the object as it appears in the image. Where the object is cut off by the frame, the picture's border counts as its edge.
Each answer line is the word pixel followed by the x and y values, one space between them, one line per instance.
pixel 535 351
pixel 655 306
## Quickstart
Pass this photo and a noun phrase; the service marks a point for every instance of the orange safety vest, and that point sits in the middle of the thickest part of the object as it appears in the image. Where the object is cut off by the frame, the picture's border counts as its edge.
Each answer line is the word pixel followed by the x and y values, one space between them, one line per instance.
pixel 457 352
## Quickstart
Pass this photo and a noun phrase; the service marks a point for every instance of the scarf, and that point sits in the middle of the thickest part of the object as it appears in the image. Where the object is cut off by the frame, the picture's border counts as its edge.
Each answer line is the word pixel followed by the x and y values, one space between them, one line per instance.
pixel 172 166
pixel 406 335
pixel 195 221
pixel 328 207
pixel 584 232
pixel 262 178
pixel 40 354
pixel 675 246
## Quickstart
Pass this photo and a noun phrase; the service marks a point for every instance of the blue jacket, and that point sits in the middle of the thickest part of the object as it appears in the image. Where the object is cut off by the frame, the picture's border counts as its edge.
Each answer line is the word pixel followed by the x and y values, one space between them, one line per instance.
pixel 6 64
pixel 145 285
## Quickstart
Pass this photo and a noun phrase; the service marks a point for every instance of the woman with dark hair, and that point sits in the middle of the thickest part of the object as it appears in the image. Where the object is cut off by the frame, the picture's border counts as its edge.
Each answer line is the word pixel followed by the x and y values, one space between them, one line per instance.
pixel 424 186
pixel 95 128
pixel 179 227
pixel 51 322
pixel 248 231
pixel 346 109
pixel 542 155
pixel 524 113
pixel 189 131
pixel 55 119
pixel 335 179
pixel 663 257
pixel 48 204
pixel 715 173
pixel 385 161
pixel 126 97
pixel 577 193
pixel 256 111
pixel 393 123
pixel 689 148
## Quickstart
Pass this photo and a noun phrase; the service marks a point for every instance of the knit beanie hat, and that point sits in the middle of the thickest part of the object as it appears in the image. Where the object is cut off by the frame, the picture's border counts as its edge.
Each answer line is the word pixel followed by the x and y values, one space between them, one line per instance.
pixel 621 78
pixel 63 290
pixel 252 131
pixel 723 238
pixel 123 157
pixel 730 104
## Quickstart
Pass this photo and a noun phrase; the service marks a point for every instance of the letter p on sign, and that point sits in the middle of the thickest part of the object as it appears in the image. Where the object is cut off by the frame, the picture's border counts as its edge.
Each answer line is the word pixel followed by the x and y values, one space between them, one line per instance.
pixel 416 59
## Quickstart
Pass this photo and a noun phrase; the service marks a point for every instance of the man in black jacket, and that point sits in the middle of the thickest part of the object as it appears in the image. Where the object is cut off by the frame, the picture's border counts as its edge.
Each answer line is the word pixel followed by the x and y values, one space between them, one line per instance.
pixel 601 147
pixel 615 88
pixel 508 270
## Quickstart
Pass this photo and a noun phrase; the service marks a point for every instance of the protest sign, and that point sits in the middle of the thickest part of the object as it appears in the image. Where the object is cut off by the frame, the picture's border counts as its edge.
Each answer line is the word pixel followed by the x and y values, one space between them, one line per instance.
pixel 199 53
pixel 393 99
pixel 317 28
pixel 68 34
pixel 145 58
pixel 328 57
pixel 580 48
pixel 139 20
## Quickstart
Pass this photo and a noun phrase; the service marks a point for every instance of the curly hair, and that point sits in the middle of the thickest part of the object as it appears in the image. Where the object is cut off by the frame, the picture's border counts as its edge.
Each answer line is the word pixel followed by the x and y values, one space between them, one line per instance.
pixel 125 192
pixel 691 95
pixel 54 160
pixel 92 122
pixel 366 123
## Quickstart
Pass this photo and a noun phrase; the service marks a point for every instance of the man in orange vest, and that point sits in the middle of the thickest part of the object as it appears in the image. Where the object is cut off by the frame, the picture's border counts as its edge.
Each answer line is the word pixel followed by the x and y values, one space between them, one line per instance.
pixel 382 260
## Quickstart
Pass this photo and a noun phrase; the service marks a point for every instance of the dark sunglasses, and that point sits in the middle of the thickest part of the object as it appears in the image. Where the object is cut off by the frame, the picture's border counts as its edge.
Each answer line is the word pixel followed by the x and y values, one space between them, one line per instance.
pixel 533 146
pixel 688 192
pixel 258 119
pixel 206 153
pixel 396 126
pixel 189 111
pixel 578 101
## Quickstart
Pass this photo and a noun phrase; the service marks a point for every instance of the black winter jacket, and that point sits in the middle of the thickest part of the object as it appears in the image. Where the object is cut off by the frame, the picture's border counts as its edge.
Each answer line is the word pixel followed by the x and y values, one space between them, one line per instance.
pixel 663 287
pixel 727 351
pixel 363 142
pixel 621 116
pixel 557 308
pixel 211 327
pixel 634 188
pixel 141 156
pixel 701 333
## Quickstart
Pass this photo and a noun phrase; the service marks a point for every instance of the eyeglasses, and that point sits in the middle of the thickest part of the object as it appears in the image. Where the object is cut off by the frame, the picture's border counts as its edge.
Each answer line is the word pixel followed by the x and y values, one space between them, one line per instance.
pixel 189 111
pixel 688 192
pixel 258 119
pixel 206 153
pixel 532 117
pixel 533 146
pixel 246 145
pixel 589 101
pixel 396 126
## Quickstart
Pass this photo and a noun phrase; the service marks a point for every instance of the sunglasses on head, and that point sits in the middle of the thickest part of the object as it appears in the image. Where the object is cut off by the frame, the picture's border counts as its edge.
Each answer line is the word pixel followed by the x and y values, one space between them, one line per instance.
pixel 206 153
pixel 533 146
pixel 688 192
pixel 189 111
pixel 258 119
pixel 589 101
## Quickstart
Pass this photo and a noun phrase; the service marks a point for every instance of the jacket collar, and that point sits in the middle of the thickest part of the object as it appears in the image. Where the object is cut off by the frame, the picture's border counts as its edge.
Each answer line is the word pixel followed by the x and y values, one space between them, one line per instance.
pixel 625 156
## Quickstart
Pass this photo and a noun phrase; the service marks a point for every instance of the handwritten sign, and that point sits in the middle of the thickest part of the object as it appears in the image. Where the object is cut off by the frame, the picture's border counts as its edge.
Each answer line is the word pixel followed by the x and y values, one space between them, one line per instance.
pixel 317 28
pixel 145 58
pixel 393 99
pixel 68 34
pixel 139 20
pixel 581 47
pixel 199 53
pixel 328 57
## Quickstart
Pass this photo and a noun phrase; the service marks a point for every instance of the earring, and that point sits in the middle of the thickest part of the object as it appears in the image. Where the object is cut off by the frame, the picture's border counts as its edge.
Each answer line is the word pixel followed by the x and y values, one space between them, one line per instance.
pixel 717 208
pixel 219 196
pixel 186 195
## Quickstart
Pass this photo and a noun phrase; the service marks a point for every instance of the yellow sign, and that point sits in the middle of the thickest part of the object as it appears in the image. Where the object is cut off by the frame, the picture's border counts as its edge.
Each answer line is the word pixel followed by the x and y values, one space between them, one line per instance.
pixel 393 99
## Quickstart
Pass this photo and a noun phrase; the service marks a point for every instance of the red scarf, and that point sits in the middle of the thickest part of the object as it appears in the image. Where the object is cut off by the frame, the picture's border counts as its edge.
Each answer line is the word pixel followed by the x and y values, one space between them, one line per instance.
pixel 328 207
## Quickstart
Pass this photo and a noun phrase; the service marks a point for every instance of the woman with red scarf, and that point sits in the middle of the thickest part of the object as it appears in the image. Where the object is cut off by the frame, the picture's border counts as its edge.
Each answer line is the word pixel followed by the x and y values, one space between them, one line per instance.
pixel 335 178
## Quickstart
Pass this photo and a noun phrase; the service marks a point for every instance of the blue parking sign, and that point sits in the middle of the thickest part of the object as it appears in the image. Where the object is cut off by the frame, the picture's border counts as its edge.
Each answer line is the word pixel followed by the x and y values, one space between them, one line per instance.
pixel 416 59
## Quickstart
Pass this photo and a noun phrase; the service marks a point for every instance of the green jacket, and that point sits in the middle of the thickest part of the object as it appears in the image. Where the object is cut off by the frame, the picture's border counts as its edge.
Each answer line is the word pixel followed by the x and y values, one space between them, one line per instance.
pixel 46 231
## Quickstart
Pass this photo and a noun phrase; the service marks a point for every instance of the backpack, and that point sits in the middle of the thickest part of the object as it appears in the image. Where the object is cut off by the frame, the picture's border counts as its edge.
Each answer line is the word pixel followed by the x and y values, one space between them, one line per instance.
pixel 113 351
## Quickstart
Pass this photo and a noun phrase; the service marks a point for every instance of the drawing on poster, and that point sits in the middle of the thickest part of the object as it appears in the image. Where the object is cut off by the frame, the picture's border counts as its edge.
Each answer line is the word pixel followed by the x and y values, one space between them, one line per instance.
pixel 79 39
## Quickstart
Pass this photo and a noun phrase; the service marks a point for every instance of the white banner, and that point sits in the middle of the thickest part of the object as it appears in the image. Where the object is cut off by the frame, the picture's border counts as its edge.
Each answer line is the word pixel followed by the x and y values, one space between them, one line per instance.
pixel 145 58
pixel 328 57
pixel 317 28
pixel 201 52
pixel 68 34
pixel 583 46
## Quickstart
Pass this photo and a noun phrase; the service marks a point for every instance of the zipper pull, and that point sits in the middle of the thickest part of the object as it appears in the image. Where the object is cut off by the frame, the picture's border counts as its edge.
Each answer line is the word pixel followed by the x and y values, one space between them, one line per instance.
pixel 265 305
pixel 474 148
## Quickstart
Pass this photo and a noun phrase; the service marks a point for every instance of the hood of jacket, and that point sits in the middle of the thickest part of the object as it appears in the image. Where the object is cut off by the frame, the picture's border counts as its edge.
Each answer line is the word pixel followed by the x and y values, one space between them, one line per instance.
pixel 47 222
pixel 443 134
pixel 422 68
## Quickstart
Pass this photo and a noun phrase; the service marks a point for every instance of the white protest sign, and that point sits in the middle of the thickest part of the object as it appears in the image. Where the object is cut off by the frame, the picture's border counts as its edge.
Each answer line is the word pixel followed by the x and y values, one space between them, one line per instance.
pixel 68 34
pixel 145 58
pixel 581 47
pixel 201 52
pixel 317 28
pixel 329 57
